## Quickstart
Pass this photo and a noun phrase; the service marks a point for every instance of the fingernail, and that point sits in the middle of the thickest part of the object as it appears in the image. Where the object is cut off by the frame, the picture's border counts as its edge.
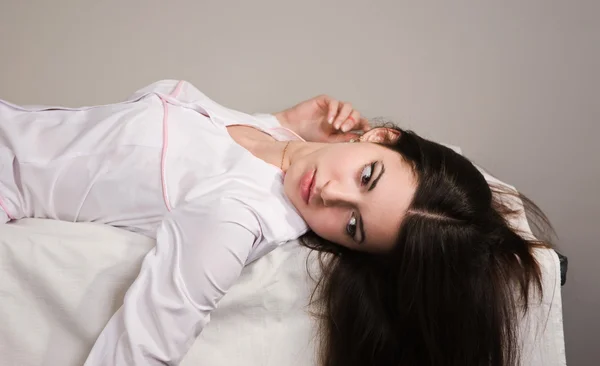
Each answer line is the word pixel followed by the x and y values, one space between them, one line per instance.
pixel 330 120
pixel 345 128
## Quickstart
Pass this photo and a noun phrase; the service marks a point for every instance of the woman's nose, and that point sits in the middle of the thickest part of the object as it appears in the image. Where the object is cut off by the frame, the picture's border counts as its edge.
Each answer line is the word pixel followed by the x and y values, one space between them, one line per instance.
pixel 334 193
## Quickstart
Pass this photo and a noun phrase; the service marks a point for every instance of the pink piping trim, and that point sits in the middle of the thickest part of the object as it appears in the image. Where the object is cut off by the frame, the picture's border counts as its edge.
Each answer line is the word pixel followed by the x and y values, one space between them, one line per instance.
pixel 267 131
pixel 163 158
pixel 5 209
pixel 175 92
pixel 288 130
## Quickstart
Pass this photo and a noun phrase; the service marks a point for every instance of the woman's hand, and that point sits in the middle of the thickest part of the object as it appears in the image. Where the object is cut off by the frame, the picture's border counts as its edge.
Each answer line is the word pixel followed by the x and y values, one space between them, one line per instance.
pixel 323 119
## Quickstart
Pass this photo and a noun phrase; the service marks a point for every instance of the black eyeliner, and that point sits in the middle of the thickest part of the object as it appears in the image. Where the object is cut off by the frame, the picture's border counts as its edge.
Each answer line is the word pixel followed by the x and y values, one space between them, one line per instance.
pixel 360 221
pixel 373 166
pixel 362 231
pixel 378 177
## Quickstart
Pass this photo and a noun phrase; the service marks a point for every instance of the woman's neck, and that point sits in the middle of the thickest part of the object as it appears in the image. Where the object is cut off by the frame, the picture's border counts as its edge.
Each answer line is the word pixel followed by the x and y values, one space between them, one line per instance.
pixel 282 154
pixel 267 148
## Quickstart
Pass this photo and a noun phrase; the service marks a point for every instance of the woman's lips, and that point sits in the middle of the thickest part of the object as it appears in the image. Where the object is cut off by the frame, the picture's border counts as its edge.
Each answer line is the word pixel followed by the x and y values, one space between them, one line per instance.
pixel 306 184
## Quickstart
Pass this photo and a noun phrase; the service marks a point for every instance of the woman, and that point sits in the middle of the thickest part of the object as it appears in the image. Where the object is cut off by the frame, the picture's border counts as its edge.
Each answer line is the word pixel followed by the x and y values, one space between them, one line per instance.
pixel 423 261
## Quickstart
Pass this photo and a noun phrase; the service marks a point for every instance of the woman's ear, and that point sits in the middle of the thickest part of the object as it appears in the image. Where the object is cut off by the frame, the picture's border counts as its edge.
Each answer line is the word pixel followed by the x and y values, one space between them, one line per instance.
pixel 381 135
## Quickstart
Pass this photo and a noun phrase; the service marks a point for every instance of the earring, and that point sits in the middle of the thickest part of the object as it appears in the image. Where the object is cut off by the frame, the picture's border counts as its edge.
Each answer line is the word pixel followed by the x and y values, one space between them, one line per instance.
pixel 352 140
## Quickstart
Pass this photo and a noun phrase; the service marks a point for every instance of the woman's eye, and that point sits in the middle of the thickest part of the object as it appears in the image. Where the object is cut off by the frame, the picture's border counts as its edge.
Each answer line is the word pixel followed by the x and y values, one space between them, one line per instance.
pixel 366 174
pixel 351 227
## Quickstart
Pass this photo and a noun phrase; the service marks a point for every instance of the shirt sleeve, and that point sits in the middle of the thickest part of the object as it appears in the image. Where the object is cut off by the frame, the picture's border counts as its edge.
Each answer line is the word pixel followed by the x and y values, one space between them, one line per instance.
pixel 197 258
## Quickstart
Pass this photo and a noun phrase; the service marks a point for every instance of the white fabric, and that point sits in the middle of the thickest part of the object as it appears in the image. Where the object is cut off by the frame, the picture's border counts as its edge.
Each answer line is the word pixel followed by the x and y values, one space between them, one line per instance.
pixel 60 283
pixel 125 164
pixel 128 165
pixel 542 337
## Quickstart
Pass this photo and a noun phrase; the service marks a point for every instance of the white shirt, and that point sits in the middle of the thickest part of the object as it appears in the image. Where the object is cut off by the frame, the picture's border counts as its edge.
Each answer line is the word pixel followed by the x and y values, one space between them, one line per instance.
pixel 162 164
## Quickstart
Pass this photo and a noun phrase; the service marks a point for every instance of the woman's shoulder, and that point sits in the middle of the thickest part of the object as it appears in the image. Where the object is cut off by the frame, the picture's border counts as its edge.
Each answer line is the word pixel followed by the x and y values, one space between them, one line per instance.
pixel 271 220
pixel 267 212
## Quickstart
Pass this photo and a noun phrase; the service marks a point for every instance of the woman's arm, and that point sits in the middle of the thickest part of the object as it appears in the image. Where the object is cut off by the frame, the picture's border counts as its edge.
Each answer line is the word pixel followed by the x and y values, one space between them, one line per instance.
pixel 320 119
pixel 323 119
pixel 197 258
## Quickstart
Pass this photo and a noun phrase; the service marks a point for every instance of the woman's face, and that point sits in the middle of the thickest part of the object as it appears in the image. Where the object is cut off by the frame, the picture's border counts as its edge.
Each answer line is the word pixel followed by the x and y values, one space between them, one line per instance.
pixel 353 194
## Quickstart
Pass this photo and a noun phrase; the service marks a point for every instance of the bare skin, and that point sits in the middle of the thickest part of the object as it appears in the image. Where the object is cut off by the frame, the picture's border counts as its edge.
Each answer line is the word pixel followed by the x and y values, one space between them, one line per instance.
pixel 360 191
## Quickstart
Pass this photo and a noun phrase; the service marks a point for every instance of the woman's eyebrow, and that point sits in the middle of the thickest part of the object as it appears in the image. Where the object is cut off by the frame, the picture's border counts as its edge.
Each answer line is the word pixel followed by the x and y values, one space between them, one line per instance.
pixel 378 177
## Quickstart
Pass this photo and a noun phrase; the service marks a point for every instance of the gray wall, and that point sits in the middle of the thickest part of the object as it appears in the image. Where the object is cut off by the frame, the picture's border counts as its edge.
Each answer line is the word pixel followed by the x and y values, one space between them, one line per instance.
pixel 514 83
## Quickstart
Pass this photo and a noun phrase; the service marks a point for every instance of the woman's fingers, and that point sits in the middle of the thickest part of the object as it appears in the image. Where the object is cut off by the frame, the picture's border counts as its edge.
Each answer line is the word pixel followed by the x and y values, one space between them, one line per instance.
pixel 332 110
pixel 351 123
pixel 355 122
pixel 343 115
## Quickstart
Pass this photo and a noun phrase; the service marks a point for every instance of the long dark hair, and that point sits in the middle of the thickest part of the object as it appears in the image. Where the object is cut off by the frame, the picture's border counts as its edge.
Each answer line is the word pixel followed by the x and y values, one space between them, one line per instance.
pixel 452 290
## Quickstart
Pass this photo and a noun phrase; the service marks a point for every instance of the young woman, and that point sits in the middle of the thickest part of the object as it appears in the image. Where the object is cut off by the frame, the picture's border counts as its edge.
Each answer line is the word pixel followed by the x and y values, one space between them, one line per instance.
pixel 422 268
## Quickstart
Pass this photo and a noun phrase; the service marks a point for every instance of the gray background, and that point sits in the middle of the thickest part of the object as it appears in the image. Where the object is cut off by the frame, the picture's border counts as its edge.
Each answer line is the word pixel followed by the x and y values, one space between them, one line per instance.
pixel 514 83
